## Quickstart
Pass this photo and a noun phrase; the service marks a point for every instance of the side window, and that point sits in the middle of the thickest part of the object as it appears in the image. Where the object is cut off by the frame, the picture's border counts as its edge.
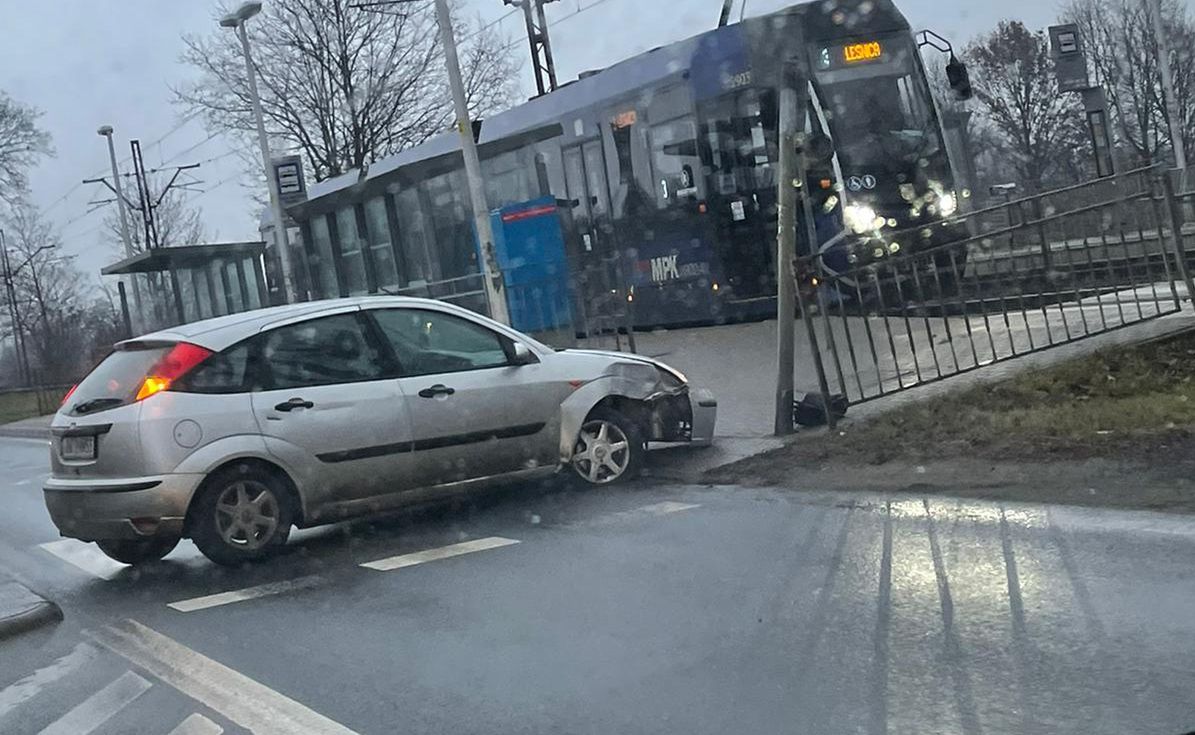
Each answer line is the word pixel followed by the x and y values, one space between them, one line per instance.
pixel 677 165
pixel 223 372
pixel 325 351
pixel 430 342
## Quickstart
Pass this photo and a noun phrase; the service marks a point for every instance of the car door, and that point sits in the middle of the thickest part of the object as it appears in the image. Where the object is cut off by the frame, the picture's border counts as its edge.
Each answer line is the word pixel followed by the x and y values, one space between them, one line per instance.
pixel 473 412
pixel 330 407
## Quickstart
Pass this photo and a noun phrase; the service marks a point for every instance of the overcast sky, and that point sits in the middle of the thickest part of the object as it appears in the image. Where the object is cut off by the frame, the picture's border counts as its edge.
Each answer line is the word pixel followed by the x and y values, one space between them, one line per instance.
pixel 85 63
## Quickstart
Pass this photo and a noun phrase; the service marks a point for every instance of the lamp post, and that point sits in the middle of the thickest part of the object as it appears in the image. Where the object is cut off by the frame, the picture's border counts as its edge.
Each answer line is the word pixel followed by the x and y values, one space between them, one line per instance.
pixel 236 21
pixel 106 132
pixel 1168 95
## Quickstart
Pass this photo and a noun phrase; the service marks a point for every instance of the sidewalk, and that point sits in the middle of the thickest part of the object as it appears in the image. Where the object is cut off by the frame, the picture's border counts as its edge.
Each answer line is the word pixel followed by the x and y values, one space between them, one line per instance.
pixel 37 427
pixel 22 609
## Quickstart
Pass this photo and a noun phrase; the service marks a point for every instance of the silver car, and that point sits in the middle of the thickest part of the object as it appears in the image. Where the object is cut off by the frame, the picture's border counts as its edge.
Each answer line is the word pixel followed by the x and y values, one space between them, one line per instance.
pixel 232 430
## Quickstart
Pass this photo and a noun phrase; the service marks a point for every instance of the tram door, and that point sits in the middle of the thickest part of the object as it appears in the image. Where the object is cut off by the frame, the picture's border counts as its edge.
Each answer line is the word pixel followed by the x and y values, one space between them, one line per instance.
pixel 593 249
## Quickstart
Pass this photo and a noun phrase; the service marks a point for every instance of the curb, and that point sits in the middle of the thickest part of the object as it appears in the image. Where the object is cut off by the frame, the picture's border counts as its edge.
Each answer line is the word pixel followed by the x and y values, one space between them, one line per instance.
pixel 23 610
pixel 22 433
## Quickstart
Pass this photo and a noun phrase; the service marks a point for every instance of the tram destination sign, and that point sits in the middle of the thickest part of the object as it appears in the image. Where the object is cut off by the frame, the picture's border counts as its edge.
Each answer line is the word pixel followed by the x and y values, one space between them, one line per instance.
pixel 855 53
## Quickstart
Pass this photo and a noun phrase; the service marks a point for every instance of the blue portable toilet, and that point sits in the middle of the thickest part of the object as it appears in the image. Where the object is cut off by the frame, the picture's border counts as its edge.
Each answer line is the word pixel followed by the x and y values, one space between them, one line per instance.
pixel 529 242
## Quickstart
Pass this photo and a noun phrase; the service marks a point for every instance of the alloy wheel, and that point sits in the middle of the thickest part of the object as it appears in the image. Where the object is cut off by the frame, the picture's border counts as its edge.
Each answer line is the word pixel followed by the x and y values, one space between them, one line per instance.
pixel 247 515
pixel 603 452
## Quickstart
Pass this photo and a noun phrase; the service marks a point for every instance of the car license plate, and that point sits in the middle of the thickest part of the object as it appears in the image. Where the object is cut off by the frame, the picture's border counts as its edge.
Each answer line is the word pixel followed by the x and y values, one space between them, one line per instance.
pixel 78 447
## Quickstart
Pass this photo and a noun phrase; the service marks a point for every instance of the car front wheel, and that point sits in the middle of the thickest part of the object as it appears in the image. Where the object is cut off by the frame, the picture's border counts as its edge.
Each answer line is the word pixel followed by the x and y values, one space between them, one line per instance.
pixel 609 448
pixel 138 551
pixel 243 515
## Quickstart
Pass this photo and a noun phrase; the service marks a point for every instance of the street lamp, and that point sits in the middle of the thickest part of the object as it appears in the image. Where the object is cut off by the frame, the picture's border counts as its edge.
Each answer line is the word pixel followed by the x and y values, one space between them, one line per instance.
pixel 236 21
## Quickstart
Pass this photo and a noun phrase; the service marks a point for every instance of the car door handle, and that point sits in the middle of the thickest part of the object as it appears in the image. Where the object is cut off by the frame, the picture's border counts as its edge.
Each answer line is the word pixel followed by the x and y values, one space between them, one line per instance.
pixel 436 390
pixel 292 404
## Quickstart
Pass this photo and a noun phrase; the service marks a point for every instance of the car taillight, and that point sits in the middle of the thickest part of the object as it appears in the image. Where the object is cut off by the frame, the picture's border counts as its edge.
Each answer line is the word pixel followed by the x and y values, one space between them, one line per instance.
pixel 68 395
pixel 176 363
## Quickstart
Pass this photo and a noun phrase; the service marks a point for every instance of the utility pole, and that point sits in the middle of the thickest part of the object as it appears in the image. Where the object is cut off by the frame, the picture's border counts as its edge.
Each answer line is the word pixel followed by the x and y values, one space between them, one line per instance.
pixel 541 46
pixel 11 299
pixel 106 131
pixel 724 16
pixel 786 253
pixel 495 287
pixel 1172 110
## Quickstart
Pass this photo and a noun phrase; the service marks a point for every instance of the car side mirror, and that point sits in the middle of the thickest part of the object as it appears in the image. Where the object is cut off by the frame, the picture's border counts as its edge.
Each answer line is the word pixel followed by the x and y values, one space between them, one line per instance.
pixel 522 355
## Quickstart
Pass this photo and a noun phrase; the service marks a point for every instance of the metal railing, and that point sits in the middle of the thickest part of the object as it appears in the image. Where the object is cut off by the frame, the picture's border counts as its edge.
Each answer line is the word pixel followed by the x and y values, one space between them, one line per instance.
pixel 1092 259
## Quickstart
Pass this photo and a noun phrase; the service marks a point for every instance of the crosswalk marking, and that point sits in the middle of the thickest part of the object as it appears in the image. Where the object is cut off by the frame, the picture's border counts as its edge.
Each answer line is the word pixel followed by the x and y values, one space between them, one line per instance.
pixel 197 724
pixel 85 556
pixel 244 701
pixel 249 593
pixel 94 711
pixel 444 552
pixel 28 687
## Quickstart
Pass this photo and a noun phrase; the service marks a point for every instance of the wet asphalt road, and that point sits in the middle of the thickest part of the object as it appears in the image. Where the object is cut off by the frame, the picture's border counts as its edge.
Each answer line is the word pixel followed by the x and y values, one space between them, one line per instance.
pixel 648 609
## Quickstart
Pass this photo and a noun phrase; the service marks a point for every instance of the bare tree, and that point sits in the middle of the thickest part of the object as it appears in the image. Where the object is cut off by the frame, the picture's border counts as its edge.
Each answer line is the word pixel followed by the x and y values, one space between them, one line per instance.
pixel 57 314
pixel 1039 128
pixel 22 143
pixel 342 85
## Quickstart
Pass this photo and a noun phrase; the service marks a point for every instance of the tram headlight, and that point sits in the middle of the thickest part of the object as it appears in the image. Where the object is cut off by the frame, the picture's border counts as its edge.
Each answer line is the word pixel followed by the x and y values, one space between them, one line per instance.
pixel 947 204
pixel 860 218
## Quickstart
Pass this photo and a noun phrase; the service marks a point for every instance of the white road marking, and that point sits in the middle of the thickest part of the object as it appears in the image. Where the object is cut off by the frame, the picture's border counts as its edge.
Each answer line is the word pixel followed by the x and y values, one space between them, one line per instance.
pixel 244 701
pixel 85 556
pixel 99 707
pixel 197 724
pixel 668 506
pixel 28 687
pixel 248 593
pixel 443 552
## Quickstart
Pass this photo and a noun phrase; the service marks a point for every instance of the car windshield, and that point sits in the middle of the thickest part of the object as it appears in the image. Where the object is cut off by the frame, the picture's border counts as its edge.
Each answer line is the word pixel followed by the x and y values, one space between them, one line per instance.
pixel 677 367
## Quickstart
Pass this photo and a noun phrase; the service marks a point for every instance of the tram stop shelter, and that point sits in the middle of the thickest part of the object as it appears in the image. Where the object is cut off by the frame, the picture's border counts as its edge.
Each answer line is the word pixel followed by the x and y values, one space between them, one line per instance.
pixel 198 281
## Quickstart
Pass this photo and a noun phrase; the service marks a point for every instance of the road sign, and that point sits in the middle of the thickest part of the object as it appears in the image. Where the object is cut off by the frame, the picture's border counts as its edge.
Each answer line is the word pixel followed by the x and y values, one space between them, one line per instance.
pixel 288 172
pixel 1070 60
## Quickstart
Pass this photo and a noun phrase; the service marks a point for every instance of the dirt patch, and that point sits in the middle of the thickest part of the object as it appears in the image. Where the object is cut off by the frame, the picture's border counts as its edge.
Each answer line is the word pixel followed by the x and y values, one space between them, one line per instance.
pixel 1116 428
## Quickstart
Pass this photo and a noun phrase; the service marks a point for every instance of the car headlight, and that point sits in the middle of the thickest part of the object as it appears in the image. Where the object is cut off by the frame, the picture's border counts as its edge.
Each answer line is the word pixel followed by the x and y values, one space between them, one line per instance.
pixel 947 204
pixel 861 218
pixel 673 373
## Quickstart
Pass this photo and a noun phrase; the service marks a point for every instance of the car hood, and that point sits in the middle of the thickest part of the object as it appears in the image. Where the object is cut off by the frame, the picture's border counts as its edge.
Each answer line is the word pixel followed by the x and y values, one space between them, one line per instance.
pixel 601 359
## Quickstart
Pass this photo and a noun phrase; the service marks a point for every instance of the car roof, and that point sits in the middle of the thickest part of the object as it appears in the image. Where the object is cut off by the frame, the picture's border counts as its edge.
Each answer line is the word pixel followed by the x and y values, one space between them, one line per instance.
pixel 223 331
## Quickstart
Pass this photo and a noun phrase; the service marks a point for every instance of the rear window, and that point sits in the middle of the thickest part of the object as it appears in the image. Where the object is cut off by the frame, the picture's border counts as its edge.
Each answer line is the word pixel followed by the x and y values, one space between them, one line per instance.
pixel 116 380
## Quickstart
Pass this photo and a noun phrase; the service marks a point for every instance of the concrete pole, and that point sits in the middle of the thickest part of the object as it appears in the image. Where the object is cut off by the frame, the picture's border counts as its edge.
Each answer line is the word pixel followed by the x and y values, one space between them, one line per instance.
pixel 1168 95
pixel 786 252
pixel 125 235
pixel 279 217
pixel 495 289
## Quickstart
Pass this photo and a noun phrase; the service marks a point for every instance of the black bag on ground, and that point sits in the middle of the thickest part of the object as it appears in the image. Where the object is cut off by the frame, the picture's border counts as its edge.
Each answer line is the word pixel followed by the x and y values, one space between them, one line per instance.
pixel 811 409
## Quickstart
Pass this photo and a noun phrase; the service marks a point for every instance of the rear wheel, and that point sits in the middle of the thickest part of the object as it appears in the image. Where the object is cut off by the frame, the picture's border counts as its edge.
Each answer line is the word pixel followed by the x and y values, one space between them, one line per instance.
pixel 609 448
pixel 138 551
pixel 243 514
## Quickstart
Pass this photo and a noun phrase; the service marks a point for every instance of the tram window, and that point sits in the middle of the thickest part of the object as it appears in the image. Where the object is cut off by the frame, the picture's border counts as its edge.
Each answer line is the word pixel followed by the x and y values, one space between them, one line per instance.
pixel 675 162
